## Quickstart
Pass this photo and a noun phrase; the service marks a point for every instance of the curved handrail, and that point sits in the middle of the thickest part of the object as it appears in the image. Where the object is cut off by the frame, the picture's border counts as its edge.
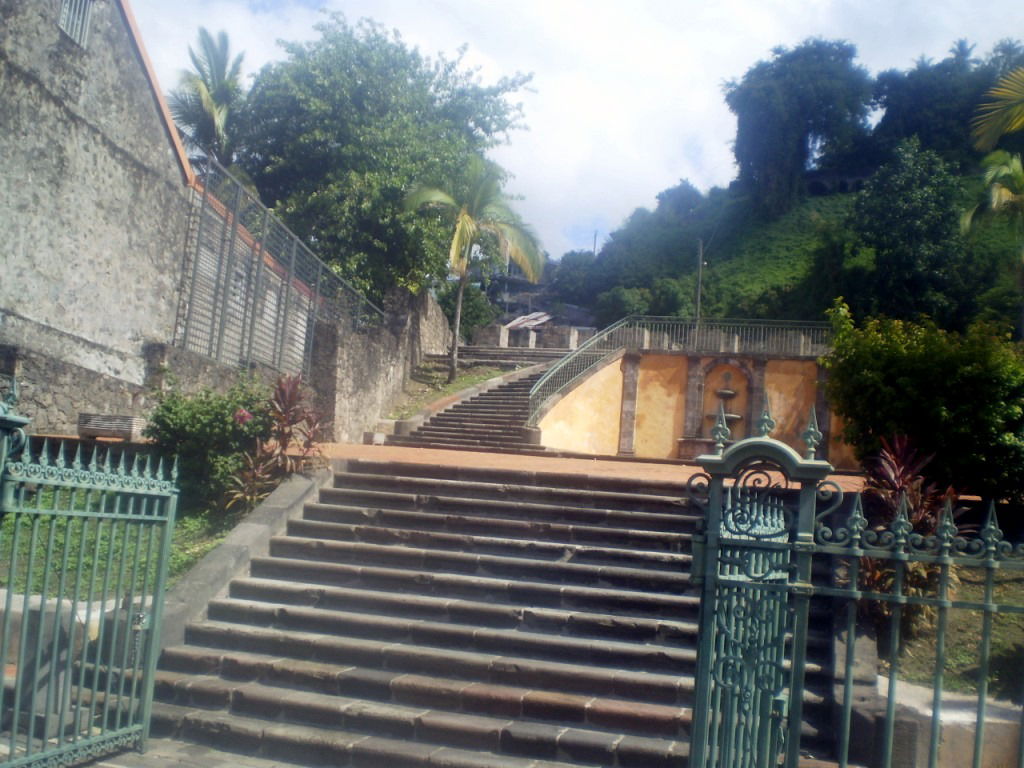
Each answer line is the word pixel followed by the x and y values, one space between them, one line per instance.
pixel 772 337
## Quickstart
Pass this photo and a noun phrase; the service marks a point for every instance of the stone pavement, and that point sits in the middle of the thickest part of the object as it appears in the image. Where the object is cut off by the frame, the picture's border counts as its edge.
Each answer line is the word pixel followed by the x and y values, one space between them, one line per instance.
pixel 660 471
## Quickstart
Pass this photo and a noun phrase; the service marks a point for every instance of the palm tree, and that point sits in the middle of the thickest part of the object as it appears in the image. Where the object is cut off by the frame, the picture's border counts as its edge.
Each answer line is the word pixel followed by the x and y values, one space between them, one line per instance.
pixel 1003 114
pixel 206 100
pixel 1004 179
pixel 484 212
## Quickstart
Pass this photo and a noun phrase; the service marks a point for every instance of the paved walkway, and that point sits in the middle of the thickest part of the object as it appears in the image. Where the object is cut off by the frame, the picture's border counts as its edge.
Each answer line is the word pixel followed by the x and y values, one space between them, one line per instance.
pixel 642 471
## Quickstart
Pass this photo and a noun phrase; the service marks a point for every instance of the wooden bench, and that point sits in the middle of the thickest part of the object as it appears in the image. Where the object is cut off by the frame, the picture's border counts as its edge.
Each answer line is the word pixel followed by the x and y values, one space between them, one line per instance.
pixel 127 428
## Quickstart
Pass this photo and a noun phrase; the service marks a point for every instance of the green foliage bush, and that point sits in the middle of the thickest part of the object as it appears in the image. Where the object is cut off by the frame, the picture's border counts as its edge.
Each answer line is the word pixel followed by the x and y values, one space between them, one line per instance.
pixel 477 311
pixel 957 396
pixel 203 432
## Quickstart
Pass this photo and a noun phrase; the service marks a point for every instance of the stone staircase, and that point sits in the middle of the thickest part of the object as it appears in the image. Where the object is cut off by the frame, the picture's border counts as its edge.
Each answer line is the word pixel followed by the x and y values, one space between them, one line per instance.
pixel 464 618
pixel 491 420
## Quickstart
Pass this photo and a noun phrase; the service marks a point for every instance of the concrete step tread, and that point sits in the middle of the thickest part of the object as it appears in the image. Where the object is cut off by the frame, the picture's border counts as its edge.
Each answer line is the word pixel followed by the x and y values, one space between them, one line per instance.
pixel 499 668
pixel 589 554
pixel 575 533
pixel 657 657
pixel 494 589
pixel 415 701
pixel 307 745
pixel 480 613
pixel 514 492
pixel 490 565
pixel 534 510
pixel 563 480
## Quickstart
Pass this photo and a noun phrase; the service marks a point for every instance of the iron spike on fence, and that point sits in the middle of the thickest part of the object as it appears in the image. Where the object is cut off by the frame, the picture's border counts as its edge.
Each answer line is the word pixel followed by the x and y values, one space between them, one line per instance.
pixel 93 459
pixel 44 456
pixel 766 424
pixel 174 471
pixel 720 432
pixel 991 534
pixel 812 436
pixel 76 463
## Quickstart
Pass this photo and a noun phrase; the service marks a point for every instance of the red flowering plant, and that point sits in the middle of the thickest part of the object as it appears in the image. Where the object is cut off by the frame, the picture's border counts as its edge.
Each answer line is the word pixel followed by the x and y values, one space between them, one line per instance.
pixel 896 477
pixel 290 446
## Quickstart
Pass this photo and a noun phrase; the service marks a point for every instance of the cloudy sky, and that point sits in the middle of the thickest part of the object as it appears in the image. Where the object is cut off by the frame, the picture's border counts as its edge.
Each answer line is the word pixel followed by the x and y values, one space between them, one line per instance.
pixel 627 94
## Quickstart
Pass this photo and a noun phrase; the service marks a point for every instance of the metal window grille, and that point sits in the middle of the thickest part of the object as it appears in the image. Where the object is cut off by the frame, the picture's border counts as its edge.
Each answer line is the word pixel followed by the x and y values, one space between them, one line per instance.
pixel 74 19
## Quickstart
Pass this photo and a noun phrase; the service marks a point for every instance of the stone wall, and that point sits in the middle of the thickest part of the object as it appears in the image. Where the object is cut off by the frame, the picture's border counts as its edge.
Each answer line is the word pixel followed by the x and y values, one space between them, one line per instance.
pixel 93 200
pixel 358 372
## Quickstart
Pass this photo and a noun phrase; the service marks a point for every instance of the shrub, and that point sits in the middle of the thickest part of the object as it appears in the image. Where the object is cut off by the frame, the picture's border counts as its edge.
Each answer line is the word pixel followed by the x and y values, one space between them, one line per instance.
pixel 959 397
pixel 202 431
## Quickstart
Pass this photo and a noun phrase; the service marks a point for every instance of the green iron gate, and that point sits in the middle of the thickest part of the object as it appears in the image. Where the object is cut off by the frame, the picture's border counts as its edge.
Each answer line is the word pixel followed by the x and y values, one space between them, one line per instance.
pixel 84 541
pixel 777 538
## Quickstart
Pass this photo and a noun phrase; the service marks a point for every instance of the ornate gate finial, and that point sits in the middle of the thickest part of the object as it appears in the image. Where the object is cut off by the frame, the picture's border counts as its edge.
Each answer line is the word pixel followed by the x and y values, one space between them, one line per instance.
pixel 812 436
pixel 766 424
pixel 720 432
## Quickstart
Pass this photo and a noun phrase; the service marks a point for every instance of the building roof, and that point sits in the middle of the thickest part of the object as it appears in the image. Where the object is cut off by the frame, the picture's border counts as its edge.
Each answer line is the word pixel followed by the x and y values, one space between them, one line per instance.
pixel 187 173
pixel 532 320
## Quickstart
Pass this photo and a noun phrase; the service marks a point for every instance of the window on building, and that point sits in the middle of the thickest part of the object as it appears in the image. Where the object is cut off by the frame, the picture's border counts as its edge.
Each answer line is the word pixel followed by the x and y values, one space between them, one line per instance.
pixel 74 19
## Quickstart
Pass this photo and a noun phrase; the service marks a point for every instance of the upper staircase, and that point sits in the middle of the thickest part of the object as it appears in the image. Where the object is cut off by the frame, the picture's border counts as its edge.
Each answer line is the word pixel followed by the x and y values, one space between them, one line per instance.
pixel 421 615
pixel 491 420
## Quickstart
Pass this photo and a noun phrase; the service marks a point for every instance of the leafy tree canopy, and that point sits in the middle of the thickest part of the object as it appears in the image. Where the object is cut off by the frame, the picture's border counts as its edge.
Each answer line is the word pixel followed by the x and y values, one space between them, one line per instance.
pixel 959 397
pixel 802 103
pixel 908 214
pixel 337 133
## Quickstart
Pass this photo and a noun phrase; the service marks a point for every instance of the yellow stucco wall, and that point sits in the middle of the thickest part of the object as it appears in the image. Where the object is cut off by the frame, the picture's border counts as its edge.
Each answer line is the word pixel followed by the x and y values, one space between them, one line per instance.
pixel 792 388
pixel 660 405
pixel 587 418
pixel 840 453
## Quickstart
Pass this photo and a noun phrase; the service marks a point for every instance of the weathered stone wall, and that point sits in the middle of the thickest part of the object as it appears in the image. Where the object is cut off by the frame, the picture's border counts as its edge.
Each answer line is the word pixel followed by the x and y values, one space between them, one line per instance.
pixel 93 203
pixel 371 365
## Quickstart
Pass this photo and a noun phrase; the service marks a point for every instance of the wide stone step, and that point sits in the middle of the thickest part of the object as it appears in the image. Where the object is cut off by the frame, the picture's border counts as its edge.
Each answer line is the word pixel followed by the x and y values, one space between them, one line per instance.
pixel 491 545
pixel 307 745
pixel 423 724
pixel 566 481
pixel 453 417
pixel 504 669
pixel 495 566
pixel 454 445
pixel 470 430
pixel 481 437
pixel 502 489
pixel 479 613
pixel 478 443
pixel 457 636
pixel 656 541
pixel 520 592
pixel 541 512
pixel 219 670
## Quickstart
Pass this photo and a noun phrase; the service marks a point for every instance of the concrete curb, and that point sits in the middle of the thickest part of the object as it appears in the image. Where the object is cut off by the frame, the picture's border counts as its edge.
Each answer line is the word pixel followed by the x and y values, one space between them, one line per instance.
pixel 405 426
pixel 186 601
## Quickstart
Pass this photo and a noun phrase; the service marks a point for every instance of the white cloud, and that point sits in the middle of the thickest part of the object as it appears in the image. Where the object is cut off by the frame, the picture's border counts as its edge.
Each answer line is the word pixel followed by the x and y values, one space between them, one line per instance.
pixel 628 95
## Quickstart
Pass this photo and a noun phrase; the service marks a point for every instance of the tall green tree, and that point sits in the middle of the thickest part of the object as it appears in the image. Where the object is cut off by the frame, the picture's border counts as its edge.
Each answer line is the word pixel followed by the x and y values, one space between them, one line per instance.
pixel 908 214
pixel 481 213
pixel 337 132
pixel 206 102
pixel 804 102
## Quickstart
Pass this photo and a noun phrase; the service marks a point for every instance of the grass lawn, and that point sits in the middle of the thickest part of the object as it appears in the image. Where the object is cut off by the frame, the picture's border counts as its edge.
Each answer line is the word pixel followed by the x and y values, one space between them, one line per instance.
pixel 963 641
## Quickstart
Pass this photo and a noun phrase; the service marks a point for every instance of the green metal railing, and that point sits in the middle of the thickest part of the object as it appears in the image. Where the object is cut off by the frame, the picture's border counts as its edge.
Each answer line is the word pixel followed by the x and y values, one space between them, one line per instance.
pixel 84 544
pixel 777 539
pixel 664 334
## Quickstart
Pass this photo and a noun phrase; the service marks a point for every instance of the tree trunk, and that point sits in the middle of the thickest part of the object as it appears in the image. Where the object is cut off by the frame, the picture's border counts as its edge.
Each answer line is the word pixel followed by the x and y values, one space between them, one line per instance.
pixel 453 360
